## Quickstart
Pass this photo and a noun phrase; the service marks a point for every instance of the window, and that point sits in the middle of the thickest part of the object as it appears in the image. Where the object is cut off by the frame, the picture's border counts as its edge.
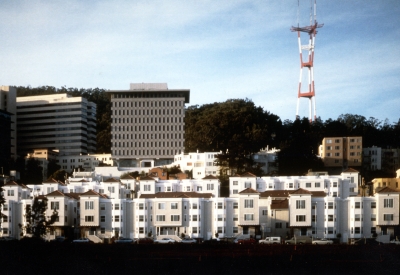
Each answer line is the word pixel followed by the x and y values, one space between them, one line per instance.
pixel 264 212
pixel 141 206
pixel 358 205
pixel 235 182
pixel 220 229
pixel 330 218
pixel 161 205
pixel 278 225
pixel 160 218
pixel 117 218
pixel 175 218
pixel 373 230
pixel 335 184
pixel 146 187
pixel 291 185
pixel 194 230
pixel 357 230
pixel 220 205
pixel 5 207
pixel 89 205
pixel 194 218
pixel 11 192
pixel 235 191
pixel 373 217
pixel 89 218
pixel 141 230
pixel 174 205
pixel 194 205
pixel 102 218
pixel 248 217
pixel 235 230
pixel 357 217
pixel 235 205
pixel 219 217
pixel 210 186
pixel 248 203
pixel 308 184
pixel 388 217
pixel 330 205
pixel 235 217
pixel 317 184
pixel 300 218
pixel 373 204
pixel 54 205
pixel 102 206
pixel 247 184
pixel 116 206
pixel 314 218
pixel 388 203
pixel 102 230
pixel 141 218
pixel 300 204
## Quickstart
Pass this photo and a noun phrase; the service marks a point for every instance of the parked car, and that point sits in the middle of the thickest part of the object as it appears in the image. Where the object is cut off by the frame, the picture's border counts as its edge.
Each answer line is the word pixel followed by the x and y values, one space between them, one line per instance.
pixel 81 240
pixel 165 240
pixel 214 241
pixel 58 239
pixel 247 241
pixel 188 240
pixel 322 241
pixel 299 240
pixel 123 240
pixel 270 240
pixel 145 241
pixel 394 241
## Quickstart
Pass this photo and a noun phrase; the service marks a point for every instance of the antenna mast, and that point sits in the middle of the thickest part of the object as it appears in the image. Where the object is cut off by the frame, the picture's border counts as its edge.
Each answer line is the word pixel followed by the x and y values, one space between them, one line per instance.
pixel 311 30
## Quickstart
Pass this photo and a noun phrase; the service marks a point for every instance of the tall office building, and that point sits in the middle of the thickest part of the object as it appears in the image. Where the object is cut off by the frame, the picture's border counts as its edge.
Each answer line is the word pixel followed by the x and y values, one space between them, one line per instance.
pixel 8 97
pixel 147 127
pixel 56 121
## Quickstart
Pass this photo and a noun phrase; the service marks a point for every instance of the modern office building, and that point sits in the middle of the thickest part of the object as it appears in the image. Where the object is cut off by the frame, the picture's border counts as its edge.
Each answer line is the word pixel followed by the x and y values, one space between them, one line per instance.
pixel 8 95
pixel 341 151
pixel 147 127
pixel 56 121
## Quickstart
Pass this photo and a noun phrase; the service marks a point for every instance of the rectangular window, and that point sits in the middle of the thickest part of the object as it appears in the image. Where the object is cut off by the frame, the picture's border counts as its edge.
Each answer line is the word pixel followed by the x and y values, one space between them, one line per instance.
pixel 141 218
pixel 220 229
pixel 358 205
pixel 373 217
pixel 317 184
pixel 175 218
pixel 248 217
pixel 278 225
pixel 248 203
pixel 235 191
pixel 194 205
pixel 141 206
pixel 300 218
pixel 330 205
pixel 308 184
pixel 300 204
pixel 194 230
pixel 161 206
pixel 116 206
pixel 146 187
pixel 174 205
pixel 264 212
pixel 141 230
pixel 373 204
pixel 330 218
pixel 117 218
pixel 194 218
pixel 89 218
pixel 235 182
pixel 102 206
pixel 388 217
pixel 160 218
pixel 89 205
pixel 235 230
pixel 102 218
pixel 235 217
pixel 330 230
pixel 54 205
pixel 357 230
pixel 235 205
pixel 210 186
pixel 357 217
pixel 247 184
pixel 102 230
pixel 373 230
pixel 219 217
pixel 220 205
pixel 388 203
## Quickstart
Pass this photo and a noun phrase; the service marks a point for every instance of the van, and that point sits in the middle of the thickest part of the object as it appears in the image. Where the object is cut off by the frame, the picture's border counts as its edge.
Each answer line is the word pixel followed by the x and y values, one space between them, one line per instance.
pixel 270 240
pixel 299 240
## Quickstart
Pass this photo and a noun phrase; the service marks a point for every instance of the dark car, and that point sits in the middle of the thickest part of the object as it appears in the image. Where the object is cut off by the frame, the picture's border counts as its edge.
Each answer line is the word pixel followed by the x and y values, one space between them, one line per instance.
pixel 247 241
pixel 145 241
pixel 124 240
pixel 366 241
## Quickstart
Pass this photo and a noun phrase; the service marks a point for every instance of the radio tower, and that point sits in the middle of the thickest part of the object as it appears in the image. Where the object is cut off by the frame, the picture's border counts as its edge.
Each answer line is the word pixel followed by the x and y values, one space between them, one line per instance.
pixel 311 30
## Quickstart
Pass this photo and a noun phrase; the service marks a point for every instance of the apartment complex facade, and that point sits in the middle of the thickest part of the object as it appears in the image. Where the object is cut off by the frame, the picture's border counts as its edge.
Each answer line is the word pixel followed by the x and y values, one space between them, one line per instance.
pixel 317 206
pixel 341 151
pixel 57 122
pixel 147 127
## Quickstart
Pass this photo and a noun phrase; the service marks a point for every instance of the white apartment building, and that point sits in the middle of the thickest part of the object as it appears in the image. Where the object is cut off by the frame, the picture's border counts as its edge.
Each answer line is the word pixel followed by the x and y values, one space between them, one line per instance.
pixel 373 156
pixel 317 206
pixel 201 164
pixel 56 122
pixel 147 127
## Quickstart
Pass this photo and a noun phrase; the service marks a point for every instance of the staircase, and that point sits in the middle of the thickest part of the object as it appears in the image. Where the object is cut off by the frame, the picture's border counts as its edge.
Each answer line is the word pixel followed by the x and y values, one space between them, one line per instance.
pixel 94 238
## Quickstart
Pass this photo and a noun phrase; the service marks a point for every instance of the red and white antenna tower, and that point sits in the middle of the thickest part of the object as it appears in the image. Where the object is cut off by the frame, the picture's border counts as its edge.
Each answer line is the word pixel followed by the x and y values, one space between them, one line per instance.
pixel 311 30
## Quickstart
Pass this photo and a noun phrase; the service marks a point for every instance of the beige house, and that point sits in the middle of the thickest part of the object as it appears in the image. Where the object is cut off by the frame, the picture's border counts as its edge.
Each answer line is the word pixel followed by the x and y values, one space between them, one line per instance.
pixel 341 151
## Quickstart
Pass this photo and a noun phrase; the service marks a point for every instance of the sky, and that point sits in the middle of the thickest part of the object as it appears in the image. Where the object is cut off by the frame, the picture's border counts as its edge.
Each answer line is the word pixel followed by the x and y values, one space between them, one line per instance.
pixel 219 50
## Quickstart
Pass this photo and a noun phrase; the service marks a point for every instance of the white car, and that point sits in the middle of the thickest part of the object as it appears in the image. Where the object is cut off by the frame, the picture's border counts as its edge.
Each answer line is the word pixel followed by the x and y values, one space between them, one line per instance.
pixel 165 240
pixel 322 241
pixel 81 240
pixel 395 241
pixel 188 240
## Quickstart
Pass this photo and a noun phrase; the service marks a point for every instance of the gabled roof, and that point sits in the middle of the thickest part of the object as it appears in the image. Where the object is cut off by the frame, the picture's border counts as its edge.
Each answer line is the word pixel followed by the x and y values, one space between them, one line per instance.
pixel 111 180
pixel 300 191
pixel 146 178
pixel 91 193
pixel 127 177
pixel 387 190
pixel 210 177
pixel 168 195
pixel 248 175
pixel 56 193
pixel 275 194
pixel 280 204
pixel 73 195
pixel 249 191
pixel 14 183
pixel 350 170
pixel 318 194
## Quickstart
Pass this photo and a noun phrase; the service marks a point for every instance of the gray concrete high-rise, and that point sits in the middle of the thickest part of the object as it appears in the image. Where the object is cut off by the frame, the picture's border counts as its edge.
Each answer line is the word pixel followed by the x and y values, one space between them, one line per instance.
pixel 147 127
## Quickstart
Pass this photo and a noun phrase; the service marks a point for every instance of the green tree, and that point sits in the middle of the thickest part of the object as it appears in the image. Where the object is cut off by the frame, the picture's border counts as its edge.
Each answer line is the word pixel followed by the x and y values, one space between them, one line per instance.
pixel 52 167
pixel 33 173
pixel 59 175
pixel 36 221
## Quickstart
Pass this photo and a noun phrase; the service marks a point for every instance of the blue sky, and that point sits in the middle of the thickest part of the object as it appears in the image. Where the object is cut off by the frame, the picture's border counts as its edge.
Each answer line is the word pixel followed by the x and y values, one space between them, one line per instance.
pixel 217 49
